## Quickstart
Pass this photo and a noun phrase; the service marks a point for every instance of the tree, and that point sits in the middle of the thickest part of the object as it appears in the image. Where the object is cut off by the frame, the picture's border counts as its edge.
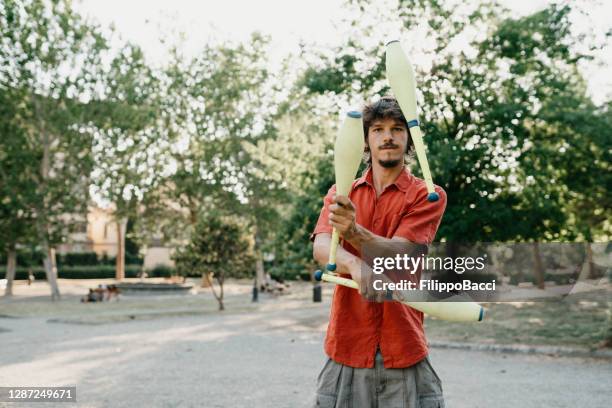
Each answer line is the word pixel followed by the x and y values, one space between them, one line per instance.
pixel 17 184
pixel 219 106
pixel 217 246
pixel 490 113
pixel 302 156
pixel 126 144
pixel 51 55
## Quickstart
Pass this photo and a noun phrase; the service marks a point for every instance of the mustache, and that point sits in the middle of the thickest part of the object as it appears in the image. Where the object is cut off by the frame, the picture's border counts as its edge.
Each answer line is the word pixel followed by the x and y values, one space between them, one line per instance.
pixel 388 146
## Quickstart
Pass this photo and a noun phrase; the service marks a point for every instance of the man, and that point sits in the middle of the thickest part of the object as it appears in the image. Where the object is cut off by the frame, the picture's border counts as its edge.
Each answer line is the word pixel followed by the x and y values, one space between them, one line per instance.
pixel 377 350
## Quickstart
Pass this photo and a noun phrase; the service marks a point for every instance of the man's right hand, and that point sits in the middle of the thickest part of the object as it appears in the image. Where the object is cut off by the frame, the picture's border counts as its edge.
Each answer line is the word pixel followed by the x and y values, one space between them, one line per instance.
pixel 363 275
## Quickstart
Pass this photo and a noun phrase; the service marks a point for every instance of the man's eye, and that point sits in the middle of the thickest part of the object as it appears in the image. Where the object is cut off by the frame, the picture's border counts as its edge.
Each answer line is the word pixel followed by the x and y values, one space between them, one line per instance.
pixel 398 129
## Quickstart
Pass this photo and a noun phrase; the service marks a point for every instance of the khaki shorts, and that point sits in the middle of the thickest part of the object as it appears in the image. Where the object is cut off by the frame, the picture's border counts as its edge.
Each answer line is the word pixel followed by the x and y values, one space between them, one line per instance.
pixel 417 386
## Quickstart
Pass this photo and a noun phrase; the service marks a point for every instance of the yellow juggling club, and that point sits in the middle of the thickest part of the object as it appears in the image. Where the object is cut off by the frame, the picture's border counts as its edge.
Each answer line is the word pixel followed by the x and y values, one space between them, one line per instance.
pixel 400 75
pixel 348 153
pixel 448 310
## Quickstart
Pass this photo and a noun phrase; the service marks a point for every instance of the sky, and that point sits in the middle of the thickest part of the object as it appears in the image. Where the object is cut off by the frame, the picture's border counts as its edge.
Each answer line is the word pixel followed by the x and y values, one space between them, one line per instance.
pixel 287 22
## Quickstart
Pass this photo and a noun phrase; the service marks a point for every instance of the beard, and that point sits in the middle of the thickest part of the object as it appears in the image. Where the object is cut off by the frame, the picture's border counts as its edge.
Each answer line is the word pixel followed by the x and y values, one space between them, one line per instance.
pixel 389 164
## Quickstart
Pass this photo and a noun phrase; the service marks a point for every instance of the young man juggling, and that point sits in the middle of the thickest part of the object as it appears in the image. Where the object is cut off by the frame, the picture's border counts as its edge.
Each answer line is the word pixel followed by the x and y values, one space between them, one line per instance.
pixel 377 350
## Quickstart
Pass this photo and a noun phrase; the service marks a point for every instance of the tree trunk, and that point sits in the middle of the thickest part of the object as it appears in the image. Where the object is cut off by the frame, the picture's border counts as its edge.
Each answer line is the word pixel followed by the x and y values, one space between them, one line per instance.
pixel 452 250
pixel 607 342
pixel 49 261
pixel 51 269
pixel 11 266
pixel 260 273
pixel 589 259
pixel 193 212
pixel 42 222
pixel 120 259
pixel 587 268
pixel 220 299
pixel 206 280
pixel 538 269
pixel 219 296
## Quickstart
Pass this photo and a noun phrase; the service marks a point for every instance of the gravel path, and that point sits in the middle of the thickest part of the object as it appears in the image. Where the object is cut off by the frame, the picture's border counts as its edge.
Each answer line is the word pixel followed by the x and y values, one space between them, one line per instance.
pixel 268 358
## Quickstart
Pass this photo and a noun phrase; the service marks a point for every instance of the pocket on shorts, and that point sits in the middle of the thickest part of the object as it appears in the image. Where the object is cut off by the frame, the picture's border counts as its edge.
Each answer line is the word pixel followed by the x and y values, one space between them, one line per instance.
pixel 325 401
pixel 327 384
pixel 432 370
pixel 429 385
pixel 431 401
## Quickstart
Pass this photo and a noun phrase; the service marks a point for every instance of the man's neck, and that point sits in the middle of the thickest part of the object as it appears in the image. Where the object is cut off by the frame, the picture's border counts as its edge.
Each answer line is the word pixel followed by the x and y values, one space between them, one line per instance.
pixel 382 177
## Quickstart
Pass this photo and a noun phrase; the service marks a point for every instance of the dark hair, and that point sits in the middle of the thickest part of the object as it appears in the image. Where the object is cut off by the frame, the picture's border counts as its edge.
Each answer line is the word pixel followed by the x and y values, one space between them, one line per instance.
pixel 385 108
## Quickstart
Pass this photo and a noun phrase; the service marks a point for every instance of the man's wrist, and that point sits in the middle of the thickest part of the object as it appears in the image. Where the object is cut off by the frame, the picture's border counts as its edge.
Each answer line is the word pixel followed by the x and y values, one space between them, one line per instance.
pixel 358 235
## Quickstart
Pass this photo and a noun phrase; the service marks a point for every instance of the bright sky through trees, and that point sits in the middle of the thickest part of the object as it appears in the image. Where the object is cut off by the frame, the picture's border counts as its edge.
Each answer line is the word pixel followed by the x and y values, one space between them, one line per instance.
pixel 289 22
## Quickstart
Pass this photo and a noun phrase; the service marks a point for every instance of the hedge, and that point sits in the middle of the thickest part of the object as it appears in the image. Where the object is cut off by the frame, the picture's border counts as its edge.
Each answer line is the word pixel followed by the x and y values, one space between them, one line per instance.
pixel 76 272
pixel 91 258
pixel 35 259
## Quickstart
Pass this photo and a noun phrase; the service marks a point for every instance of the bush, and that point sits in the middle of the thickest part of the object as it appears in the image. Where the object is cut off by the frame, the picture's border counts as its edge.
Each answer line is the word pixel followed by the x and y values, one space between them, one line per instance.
pixel 161 271
pixel 35 259
pixel 130 259
pixel 219 246
pixel 25 258
pixel 77 258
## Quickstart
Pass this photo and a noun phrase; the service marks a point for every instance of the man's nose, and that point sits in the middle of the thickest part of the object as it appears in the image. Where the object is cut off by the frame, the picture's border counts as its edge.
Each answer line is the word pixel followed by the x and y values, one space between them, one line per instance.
pixel 387 136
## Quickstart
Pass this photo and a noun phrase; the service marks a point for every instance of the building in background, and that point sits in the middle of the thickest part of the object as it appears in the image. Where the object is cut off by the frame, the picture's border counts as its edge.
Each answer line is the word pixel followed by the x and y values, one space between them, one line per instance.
pixel 99 234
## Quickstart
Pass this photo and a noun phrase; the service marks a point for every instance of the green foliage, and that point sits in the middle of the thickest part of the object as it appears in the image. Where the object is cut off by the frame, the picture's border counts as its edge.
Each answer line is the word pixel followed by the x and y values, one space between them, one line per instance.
pixel 50 58
pixel 80 259
pixel 76 272
pixel 514 139
pixel 126 141
pixel 512 136
pixel 92 259
pixel 293 250
pixel 25 257
pixel 217 245
pixel 161 271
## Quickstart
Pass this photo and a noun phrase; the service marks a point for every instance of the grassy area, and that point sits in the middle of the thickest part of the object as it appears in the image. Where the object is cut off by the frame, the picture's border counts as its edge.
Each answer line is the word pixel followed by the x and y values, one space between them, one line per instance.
pixel 578 320
pixel 69 308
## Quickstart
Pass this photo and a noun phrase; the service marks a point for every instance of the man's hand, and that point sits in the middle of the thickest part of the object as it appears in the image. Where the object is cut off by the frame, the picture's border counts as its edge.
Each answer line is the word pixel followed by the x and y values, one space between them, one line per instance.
pixel 342 216
pixel 363 275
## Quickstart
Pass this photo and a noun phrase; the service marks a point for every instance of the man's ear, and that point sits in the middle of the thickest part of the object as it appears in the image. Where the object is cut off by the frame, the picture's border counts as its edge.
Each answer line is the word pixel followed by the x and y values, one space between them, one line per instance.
pixel 410 143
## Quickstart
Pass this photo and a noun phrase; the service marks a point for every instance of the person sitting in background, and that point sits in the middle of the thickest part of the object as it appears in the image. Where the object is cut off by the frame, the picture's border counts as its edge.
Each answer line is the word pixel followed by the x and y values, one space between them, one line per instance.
pixel 90 297
pixel 112 291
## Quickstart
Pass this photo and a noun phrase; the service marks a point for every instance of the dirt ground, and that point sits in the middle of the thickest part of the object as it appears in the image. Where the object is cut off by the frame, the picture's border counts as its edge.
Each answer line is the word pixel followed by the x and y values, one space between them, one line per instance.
pixel 179 351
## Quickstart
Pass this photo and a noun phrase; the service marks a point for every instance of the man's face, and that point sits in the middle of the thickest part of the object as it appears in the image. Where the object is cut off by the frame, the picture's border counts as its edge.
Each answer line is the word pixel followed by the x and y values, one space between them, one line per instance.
pixel 388 139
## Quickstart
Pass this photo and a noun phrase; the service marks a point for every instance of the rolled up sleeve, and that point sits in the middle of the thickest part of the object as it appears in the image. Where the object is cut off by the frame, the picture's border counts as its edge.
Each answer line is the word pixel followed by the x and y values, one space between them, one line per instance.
pixel 323 225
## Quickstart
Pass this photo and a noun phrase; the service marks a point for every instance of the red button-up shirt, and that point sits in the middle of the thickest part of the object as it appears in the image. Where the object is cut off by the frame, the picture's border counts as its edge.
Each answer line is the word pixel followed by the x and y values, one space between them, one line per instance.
pixel 357 327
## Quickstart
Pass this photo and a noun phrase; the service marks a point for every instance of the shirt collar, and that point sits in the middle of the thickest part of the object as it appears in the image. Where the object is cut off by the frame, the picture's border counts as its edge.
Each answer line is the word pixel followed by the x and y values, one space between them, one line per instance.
pixel 402 182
